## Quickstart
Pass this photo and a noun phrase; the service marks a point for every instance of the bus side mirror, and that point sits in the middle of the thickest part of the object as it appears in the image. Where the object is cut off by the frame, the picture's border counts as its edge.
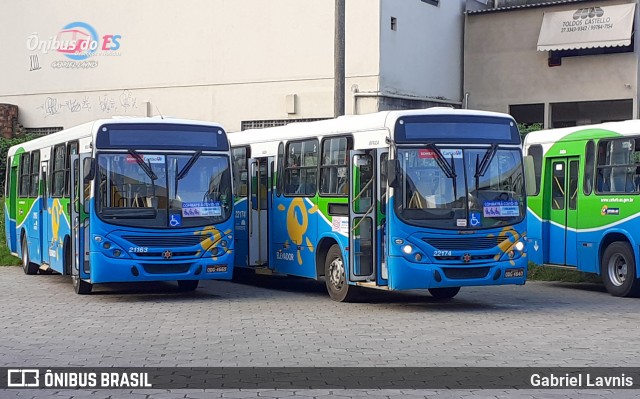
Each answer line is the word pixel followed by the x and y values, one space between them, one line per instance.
pixel 393 167
pixel 529 175
pixel 89 168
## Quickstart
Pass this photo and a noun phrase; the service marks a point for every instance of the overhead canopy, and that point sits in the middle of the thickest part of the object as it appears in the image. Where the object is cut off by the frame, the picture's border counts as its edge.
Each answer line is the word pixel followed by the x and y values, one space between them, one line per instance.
pixel 587 27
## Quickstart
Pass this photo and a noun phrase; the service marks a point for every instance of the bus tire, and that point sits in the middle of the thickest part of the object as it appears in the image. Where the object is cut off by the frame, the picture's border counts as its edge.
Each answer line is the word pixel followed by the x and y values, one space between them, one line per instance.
pixel 80 286
pixel 618 270
pixel 335 277
pixel 187 285
pixel 444 293
pixel 27 266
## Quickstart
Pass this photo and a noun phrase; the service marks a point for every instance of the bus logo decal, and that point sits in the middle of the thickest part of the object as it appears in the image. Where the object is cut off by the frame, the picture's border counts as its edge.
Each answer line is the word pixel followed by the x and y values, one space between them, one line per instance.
pixel 167 254
pixel 298 223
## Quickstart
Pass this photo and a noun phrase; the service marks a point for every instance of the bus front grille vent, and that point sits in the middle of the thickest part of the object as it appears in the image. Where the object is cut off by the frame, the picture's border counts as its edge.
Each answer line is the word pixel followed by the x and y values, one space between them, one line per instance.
pixel 460 273
pixel 464 243
pixel 153 268
pixel 166 241
pixel 471 258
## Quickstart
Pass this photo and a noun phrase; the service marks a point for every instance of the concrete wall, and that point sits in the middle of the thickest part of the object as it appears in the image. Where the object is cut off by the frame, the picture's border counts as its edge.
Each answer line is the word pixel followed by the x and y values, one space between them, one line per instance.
pixel 502 66
pixel 222 60
pixel 423 57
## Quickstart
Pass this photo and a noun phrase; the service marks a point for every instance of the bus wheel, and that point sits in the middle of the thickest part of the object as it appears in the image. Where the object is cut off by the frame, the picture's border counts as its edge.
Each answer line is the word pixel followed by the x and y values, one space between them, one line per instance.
pixel 27 266
pixel 80 286
pixel 335 277
pixel 444 293
pixel 618 270
pixel 188 285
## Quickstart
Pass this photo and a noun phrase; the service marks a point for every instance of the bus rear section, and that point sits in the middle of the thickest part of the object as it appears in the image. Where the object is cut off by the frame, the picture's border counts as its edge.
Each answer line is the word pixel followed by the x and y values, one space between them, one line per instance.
pixel 583 215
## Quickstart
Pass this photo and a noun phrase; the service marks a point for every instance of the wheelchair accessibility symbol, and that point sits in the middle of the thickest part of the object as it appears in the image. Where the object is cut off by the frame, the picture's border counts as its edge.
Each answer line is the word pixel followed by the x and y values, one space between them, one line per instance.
pixel 474 219
pixel 175 220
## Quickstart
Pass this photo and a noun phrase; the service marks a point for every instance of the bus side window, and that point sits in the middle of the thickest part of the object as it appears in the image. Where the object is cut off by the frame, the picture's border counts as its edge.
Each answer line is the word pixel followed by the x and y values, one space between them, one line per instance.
pixel 240 174
pixel 589 165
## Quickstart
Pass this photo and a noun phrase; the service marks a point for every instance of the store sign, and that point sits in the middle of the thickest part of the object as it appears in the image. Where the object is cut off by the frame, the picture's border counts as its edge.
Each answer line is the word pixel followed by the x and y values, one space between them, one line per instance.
pixel 587 27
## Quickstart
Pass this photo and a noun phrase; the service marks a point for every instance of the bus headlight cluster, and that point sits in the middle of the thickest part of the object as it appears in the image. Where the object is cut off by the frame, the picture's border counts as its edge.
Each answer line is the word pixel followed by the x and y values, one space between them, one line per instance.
pixel 516 250
pixel 108 248
pixel 219 247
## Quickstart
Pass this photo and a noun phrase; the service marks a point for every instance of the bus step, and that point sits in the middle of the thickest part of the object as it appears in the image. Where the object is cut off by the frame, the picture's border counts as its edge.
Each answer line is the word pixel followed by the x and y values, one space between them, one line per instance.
pixel 264 271
pixel 552 265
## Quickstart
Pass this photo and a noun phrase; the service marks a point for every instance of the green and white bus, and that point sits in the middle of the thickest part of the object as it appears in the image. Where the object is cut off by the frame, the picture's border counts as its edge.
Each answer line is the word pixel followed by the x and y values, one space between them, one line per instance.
pixel 585 213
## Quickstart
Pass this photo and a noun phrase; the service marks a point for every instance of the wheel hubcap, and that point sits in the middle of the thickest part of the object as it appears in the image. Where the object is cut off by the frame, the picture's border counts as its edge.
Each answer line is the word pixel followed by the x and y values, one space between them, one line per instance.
pixel 336 273
pixel 617 268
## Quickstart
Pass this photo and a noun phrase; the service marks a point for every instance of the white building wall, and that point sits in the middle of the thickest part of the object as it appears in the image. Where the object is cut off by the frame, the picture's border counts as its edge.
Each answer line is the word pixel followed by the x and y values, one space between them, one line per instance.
pixel 219 60
pixel 423 57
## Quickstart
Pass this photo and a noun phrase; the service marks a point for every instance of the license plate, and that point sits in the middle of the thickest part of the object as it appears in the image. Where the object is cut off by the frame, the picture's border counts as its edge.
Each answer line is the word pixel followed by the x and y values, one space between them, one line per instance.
pixel 509 273
pixel 217 269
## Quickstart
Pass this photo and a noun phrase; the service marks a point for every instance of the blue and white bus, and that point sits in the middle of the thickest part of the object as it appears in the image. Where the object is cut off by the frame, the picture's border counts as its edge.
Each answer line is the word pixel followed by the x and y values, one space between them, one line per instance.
pixel 424 199
pixel 123 200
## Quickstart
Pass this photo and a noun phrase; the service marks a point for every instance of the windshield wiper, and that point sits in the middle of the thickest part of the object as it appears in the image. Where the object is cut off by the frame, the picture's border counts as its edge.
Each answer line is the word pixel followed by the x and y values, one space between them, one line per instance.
pixel 442 162
pixel 486 161
pixel 448 169
pixel 146 167
pixel 183 172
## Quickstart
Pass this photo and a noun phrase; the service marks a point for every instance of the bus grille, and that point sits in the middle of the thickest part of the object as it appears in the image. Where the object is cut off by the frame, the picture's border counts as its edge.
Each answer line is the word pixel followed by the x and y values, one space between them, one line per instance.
pixel 459 273
pixel 160 254
pixel 459 258
pixel 160 241
pixel 465 243
pixel 153 268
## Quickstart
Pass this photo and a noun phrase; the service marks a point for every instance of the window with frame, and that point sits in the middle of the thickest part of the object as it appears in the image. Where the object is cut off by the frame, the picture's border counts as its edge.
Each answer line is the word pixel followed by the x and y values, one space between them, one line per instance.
pixel 334 174
pixel 72 149
pixel 280 171
pixel 239 158
pixel 34 178
pixel 25 174
pixel 618 166
pixel 7 174
pixel 589 164
pixel 59 171
pixel 535 151
pixel 301 168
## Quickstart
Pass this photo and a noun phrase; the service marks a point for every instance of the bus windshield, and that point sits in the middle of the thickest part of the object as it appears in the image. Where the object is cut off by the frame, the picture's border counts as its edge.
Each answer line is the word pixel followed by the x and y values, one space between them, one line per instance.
pixel 159 190
pixel 460 188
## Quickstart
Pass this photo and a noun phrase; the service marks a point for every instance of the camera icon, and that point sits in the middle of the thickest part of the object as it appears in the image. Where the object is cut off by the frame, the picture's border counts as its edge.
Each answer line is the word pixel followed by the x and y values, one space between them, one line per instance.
pixel 23 378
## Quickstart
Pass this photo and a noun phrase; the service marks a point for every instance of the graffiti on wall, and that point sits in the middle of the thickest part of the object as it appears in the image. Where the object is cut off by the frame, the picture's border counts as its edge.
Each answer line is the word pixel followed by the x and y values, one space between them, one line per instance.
pixel 125 102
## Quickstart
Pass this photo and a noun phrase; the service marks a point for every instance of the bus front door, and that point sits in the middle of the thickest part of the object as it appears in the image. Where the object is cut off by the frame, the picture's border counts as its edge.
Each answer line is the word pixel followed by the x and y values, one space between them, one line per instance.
pixel 562 203
pixel 260 202
pixel 44 221
pixel 362 216
pixel 13 208
pixel 80 193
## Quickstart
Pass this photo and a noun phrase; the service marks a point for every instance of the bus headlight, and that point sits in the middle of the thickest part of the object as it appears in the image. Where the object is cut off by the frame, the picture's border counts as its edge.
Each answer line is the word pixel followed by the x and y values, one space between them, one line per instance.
pixel 407 249
pixel 109 248
pixel 519 246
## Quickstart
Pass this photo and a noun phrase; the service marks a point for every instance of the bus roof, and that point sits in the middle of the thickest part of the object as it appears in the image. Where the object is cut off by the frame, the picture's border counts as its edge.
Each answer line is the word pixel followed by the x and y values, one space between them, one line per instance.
pixel 89 128
pixel 343 125
pixel 624 128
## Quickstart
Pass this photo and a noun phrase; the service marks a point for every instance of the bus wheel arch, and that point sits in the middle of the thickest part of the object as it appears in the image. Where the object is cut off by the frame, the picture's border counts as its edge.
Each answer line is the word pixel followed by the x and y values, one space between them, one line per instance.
pixel 28 267
pixel 66 255
pixel 321 254
pixel 618 266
